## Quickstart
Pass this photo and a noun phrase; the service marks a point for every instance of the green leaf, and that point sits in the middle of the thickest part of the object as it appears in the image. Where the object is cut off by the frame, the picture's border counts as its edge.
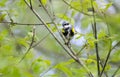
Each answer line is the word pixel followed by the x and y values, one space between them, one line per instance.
pixel 85 5
pixel 3 2
pixel 102 35
pixel 2 17
pixel 44 2
pixel 107 6
pixel 76 5
pixel 54 29
pixel 78 36
pixel 63 67
pixel 95 5
pixel 40 65
pixel 89 61
pixel 3 35
pixel 108 66
pixel 86 21
pixel 63 16
pixel 90 39
pixel 116 56
pixel 22 41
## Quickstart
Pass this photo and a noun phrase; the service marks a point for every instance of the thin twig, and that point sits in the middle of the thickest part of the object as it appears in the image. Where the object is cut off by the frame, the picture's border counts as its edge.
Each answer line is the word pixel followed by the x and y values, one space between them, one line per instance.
pixel 46 10
pixel 79 61
pixel 95 35
pixel 50 68
pixel 52 9
pixel 116 72
pixel 81 49
pixel 108 55
pixel 16 23
pixel 40 40
pixel 53 23
pixel 30 46
pixel 9 27
pixel 109 51
pixel 75 8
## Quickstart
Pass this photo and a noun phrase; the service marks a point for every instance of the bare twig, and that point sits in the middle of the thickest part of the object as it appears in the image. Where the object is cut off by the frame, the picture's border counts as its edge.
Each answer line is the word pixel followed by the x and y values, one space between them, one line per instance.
pixel 16 23
pixel 116 72
pixel 30 46
pixel 81 49
pixel 52 9
pixel 9 27
pixel 40 40
pixel 108 55
pixel 46 10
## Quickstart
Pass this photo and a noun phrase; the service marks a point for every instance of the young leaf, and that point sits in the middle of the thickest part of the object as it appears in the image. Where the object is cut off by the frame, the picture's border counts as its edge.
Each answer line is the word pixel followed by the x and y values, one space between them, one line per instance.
pixel 76 5
pixel 107 6
pixel 2 17
pixel 44 2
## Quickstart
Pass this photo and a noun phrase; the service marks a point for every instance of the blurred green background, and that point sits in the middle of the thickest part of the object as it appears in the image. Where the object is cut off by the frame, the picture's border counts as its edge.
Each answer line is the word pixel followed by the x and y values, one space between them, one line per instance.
pixel 48 59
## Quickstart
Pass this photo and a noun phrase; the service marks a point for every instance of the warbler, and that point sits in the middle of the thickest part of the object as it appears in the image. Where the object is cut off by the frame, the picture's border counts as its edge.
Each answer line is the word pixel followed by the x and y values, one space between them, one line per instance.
pixel 68 31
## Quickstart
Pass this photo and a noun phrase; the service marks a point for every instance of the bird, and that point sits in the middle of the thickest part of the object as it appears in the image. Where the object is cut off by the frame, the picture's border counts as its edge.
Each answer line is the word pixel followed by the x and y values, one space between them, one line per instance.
pixel 68 31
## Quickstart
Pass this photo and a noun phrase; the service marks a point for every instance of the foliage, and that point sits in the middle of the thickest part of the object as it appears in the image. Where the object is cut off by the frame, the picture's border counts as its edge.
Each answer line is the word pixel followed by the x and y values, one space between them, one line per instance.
pixel 31 43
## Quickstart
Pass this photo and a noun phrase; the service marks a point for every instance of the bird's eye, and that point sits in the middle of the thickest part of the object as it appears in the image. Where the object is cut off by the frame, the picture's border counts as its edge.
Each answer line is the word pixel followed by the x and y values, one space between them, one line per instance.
pixel 67 23
pixel 64 24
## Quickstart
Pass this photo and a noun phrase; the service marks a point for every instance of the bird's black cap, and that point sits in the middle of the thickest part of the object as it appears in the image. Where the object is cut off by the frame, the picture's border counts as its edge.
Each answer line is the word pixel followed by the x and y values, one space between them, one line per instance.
pixel 65 23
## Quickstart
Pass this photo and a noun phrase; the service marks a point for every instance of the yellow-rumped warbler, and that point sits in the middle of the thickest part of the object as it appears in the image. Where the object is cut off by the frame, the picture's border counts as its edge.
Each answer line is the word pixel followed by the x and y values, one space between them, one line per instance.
pixel 68 31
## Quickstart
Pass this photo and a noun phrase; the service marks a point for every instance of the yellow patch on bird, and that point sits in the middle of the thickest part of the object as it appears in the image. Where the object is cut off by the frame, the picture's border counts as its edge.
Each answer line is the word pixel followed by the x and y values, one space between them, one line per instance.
pixel 63 30
pixel 73 30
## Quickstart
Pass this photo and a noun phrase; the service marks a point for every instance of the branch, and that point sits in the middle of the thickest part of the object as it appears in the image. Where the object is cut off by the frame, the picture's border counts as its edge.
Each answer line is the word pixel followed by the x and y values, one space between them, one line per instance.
pixel 79 61
pixel 46 10
pixel 49 69
pixel 81 49
pixel 53 22
pixel 108 55
pixel 95 36
pixel 75 8
pixel 40 41
pixel 109 51
pixel 116 72
pixel 15 23
pixel 30 46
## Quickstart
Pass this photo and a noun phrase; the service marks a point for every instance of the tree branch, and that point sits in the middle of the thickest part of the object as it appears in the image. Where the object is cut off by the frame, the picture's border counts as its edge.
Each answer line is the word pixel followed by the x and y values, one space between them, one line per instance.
pixel 75 8
pixel 40 40
pixel 30 46
pixel 116 72
pixel 108 55
pixel 95 36
pixel 16 23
